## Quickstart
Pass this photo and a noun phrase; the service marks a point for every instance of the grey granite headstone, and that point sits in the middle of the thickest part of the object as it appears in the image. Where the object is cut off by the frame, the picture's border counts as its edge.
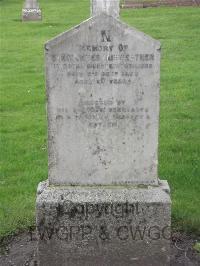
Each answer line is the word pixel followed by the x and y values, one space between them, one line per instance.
pixel 31 11
pixel 111 7
pixel 105 117
pixel 103 203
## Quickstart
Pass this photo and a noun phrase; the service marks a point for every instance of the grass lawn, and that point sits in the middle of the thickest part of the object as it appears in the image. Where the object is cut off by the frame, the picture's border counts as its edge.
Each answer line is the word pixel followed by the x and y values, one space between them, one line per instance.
pixel 23 113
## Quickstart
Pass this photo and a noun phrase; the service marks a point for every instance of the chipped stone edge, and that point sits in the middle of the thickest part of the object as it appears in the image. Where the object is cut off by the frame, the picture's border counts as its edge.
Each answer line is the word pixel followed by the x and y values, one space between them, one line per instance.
pixel 164 186
pixel 42 186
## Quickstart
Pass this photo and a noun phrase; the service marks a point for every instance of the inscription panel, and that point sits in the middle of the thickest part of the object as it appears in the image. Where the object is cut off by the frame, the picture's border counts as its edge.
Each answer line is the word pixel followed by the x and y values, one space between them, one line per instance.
pixel 103 104
pixel 104 222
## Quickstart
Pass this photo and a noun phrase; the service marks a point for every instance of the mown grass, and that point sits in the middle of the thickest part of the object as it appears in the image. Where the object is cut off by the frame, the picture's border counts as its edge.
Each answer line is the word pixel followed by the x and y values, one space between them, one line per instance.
pixel 23 113
pixel 178 29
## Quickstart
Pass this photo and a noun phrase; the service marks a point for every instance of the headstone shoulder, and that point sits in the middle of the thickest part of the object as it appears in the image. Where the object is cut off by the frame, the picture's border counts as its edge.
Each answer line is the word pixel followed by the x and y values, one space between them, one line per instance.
pixel 104 18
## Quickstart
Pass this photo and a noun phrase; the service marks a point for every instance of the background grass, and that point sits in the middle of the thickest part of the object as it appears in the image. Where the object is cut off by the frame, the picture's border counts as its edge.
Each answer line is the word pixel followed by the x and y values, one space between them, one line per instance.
pixel 23 113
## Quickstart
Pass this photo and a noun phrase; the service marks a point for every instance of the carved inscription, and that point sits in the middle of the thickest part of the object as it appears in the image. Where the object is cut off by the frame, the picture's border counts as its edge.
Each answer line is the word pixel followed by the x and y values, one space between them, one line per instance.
pixel 88 68
pixel 128 224
pixel 104 64
pixel 103 94
pixel 105 113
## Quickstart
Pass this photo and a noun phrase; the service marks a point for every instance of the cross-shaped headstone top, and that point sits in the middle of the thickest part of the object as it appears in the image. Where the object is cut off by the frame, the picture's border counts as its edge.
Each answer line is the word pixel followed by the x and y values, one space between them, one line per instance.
pixel 111 7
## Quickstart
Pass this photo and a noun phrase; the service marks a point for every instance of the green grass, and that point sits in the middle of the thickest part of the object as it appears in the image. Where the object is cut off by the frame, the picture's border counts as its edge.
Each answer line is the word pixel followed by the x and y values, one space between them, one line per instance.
pixel 23 114
pixel 197 246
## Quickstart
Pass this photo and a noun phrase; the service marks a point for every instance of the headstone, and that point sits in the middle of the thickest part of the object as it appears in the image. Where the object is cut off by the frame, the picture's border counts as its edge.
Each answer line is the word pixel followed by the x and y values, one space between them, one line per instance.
pixel 103 203
pixel 110 7
pixel 108 123
pixel 31 11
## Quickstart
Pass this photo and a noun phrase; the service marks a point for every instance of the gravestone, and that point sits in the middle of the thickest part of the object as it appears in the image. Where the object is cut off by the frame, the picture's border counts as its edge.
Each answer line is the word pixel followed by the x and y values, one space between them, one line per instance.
pixel 110 7
pixel 103 203
pixel 31 11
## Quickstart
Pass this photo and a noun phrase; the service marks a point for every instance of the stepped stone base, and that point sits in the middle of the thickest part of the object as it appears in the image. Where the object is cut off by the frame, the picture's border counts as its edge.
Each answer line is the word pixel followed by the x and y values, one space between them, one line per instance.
pixel 103 225
pixel 31 14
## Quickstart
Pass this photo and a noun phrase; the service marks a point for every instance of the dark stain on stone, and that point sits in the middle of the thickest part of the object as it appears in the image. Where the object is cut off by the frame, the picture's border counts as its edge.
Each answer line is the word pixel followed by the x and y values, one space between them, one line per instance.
pixel 77 27
pixel 60 210
pixel 75 210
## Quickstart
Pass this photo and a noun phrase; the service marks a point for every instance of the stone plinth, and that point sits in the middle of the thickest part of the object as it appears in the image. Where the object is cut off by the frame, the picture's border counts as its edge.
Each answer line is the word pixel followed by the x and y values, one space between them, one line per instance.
pixel 103 225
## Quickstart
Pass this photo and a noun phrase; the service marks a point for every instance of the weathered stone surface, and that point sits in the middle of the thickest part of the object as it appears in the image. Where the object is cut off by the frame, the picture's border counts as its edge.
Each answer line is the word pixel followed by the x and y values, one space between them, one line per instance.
pixel 31 11
pixel 111 7
pixel 102 82
pixel 103 104
pixel 103 226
